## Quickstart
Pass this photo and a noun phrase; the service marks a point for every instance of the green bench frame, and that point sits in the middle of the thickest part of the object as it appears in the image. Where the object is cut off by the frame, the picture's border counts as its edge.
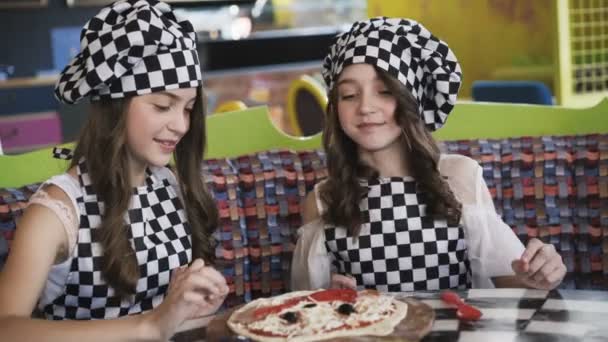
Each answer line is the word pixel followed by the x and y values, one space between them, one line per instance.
pixel 251 130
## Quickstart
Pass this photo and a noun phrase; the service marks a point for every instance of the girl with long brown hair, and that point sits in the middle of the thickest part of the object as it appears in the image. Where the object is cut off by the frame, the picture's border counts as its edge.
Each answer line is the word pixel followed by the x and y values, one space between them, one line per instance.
pixel 394 213
pixel 120 234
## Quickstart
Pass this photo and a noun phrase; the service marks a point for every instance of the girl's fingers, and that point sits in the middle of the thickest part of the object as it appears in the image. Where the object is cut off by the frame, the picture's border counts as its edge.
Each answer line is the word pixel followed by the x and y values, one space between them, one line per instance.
pixel 199 282
pixel 200 278
pixel 197 264
pixel 544 255
pixel 550 272
pixel 194 297
pixel 214 276
pixel 520 267
pixel 537 263
pixel 177 277
pixel 177 271
pixel 534 245
pixel 557 275
pixel 341 281
pixel 545 270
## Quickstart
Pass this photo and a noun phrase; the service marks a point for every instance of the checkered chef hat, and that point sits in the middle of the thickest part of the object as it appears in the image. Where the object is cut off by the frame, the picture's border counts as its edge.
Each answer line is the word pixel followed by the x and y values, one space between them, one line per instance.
pixel 132 47
pixel 424 64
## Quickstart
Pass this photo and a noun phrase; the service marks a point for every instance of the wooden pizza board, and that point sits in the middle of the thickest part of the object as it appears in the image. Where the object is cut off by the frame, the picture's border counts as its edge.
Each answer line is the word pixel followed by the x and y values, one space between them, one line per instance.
pixel 413 327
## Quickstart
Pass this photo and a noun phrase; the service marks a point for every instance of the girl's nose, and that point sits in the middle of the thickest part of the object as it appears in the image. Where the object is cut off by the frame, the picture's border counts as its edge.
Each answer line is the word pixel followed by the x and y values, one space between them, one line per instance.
pixel 367 103
pixel 180 123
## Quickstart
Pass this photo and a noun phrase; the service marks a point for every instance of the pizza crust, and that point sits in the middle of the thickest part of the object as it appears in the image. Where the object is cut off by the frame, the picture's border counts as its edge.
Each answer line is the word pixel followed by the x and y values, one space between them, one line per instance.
pixel 381 328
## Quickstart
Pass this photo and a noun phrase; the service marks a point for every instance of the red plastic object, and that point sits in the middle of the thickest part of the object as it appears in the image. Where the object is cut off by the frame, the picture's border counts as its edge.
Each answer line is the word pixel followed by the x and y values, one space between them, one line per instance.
pixel 463 311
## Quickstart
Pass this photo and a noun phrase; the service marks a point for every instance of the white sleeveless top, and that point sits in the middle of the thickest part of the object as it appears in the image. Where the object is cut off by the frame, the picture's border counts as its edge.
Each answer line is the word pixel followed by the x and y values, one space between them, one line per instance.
pixel 491 243
pixel 57 278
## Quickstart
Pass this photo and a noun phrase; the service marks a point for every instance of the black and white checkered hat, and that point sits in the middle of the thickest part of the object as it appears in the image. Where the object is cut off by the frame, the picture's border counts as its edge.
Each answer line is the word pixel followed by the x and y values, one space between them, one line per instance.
pixel 423 63
pixel 132 47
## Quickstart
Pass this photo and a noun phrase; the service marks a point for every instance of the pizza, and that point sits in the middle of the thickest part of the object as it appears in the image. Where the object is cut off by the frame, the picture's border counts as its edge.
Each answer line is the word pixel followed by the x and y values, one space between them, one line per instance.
pixel 318 315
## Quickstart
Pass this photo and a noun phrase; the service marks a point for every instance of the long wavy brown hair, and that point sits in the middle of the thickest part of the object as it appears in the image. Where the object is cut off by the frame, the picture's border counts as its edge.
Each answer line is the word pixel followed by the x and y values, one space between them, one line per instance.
pixel 102 143
pixel 342 192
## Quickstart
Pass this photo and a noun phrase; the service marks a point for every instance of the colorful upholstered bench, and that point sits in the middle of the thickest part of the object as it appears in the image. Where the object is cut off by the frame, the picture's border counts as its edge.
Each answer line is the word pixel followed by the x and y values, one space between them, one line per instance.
pixel 547 168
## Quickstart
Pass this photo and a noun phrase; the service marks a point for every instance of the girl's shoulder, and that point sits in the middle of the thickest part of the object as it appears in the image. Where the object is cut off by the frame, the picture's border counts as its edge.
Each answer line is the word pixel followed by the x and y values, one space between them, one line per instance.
pixel 68 184
pixel 313 199
pixel 457 165
pixel 59 194
pixel 463 175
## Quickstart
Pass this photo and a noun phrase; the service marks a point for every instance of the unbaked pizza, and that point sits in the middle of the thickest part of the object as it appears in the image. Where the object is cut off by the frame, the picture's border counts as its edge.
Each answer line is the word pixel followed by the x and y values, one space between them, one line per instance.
pixel 318 315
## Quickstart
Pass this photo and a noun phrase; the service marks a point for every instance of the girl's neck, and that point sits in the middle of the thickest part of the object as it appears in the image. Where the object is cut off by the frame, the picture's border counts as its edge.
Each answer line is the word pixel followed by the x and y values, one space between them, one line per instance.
pixel 138 178
pixel 389 162
pixel 137 172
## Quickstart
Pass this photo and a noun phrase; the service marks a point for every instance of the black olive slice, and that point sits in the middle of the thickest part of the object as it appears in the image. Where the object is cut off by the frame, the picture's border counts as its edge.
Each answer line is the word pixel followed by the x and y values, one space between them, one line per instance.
pixel 346 309
pixel 311 305
pixel 290 317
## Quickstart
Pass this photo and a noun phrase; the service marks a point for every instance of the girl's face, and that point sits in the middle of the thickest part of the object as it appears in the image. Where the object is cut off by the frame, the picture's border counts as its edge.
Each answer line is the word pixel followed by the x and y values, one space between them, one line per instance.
pixel 366 109
pixel 155 124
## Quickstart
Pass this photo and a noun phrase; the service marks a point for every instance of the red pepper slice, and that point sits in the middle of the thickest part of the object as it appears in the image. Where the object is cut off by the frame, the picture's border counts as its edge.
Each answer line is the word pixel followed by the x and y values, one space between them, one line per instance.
pixel 345 295
pixel 264 311
pixel 464 311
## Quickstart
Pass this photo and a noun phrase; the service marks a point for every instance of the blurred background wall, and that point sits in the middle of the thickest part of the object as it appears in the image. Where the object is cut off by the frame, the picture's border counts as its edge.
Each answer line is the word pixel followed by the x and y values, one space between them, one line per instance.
pixel 493 39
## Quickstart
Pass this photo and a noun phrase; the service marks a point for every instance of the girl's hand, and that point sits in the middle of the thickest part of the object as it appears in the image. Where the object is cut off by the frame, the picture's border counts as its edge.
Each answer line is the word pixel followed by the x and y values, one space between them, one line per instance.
pixel 339 281
pixel 540 266
pixel 194 291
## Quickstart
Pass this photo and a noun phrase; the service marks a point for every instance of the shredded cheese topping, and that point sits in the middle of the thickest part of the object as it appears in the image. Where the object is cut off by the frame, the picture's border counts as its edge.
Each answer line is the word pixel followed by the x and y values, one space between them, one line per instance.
pixel 324 317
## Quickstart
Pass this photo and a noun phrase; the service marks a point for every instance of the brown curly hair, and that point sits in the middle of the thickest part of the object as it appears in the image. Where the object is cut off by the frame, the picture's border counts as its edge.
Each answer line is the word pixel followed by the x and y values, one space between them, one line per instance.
pixel 342 192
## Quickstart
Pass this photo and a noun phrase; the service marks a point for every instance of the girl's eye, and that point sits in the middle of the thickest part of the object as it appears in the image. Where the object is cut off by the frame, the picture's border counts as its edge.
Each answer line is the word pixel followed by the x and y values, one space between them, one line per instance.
pixel 386 92
pixel 162 108
pixel 347 96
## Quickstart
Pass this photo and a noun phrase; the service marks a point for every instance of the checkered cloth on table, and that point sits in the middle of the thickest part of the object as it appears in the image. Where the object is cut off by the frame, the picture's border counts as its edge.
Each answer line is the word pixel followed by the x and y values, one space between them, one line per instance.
pixel 521 315
pixel 131 47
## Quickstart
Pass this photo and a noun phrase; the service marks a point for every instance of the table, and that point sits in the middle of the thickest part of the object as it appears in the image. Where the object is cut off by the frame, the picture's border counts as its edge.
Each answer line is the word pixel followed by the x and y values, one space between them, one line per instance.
pixel 508 315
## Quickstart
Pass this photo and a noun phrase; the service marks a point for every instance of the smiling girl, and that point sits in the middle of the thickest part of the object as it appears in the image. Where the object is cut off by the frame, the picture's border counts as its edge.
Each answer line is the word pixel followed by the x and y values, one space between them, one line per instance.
pixel 120 248
pixel 394 213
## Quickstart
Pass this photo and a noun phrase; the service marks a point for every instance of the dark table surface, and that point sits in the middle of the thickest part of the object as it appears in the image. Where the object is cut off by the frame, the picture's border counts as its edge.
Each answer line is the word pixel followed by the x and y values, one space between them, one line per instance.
pixel 508 315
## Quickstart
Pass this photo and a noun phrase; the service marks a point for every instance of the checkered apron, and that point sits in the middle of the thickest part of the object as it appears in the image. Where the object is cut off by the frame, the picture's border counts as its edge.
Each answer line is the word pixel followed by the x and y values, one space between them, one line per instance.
pixel 160 237
pixel 400 248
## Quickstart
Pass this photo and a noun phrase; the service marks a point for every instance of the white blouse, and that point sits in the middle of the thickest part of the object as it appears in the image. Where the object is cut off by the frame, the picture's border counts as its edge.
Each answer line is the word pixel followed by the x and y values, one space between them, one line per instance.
pixel 491 244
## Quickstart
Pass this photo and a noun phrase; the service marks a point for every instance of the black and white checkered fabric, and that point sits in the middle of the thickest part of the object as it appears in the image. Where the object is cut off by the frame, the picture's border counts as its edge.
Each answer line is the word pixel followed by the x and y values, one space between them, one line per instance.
pixel 423 63
pixel 132 47
pixel 159 235
pixel 62 153
pixel 400 248
pixel 521 315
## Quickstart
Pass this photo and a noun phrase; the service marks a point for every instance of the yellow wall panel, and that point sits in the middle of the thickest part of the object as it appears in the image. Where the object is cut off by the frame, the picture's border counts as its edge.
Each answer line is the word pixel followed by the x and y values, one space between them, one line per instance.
pixel 493 39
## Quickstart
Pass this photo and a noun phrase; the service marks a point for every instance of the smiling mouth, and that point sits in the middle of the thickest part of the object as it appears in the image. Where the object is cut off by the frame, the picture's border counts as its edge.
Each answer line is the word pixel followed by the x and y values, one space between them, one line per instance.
pixel 369 125
pixel 167 143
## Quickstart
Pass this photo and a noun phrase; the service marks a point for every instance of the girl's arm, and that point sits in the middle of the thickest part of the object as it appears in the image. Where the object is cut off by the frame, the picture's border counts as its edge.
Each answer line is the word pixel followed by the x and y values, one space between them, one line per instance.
pixel 194 290
pixel 310 212
pixel 310 263
pixel 39 238
pixel 132 328
pixel 538 266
